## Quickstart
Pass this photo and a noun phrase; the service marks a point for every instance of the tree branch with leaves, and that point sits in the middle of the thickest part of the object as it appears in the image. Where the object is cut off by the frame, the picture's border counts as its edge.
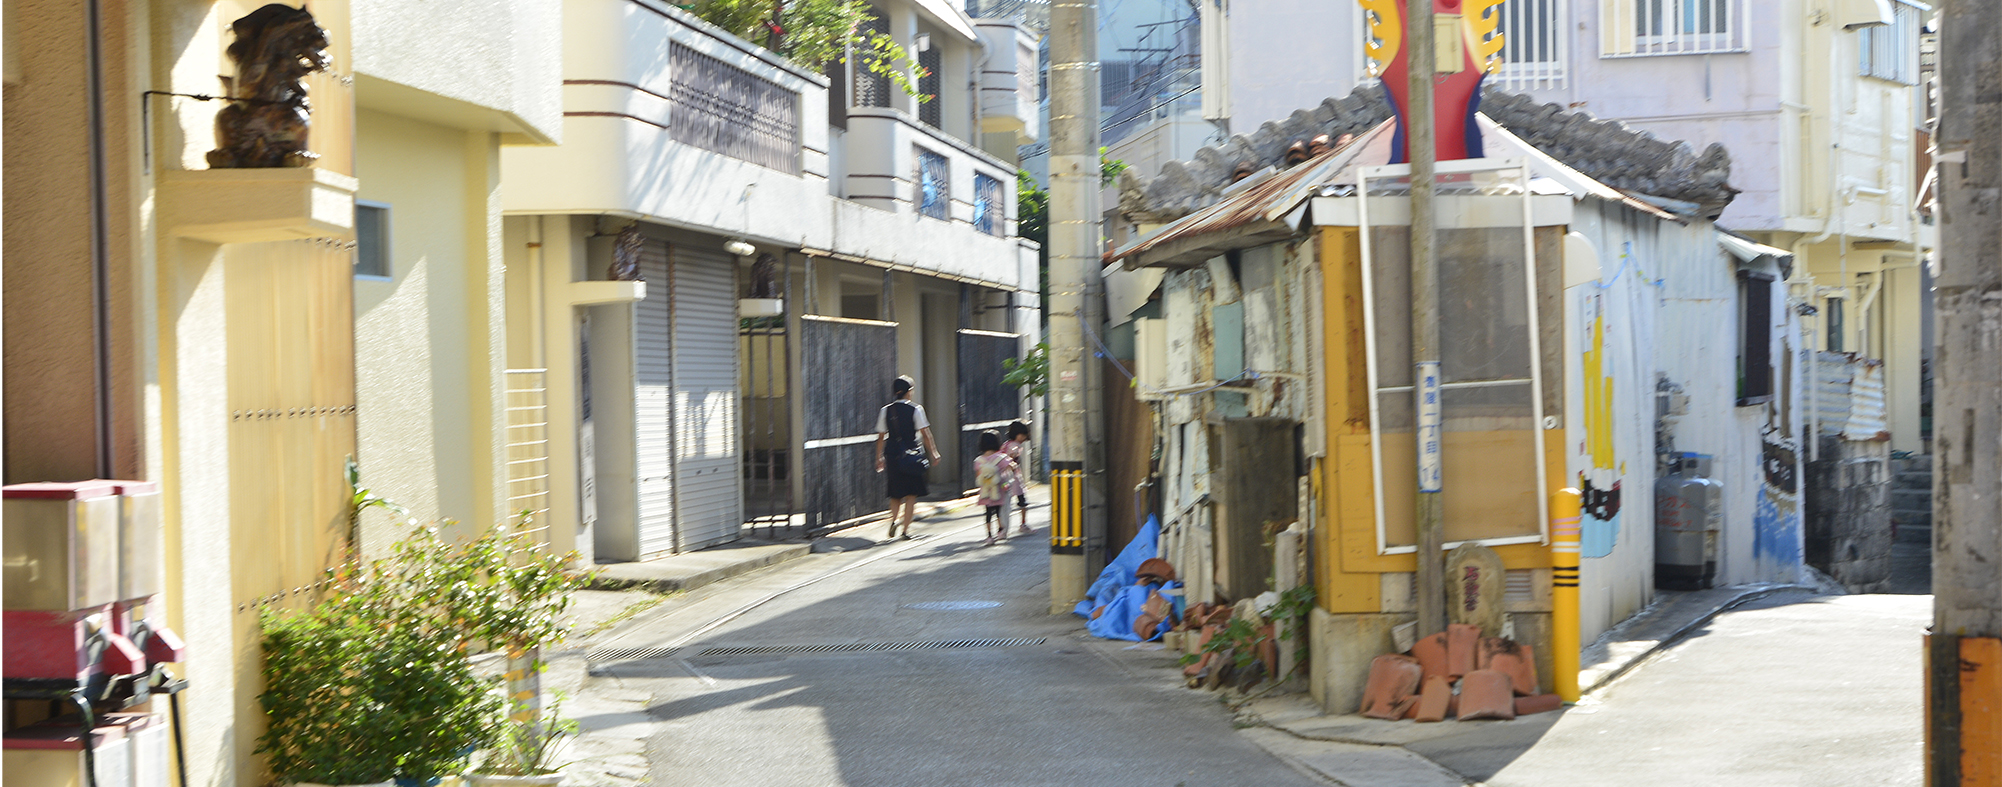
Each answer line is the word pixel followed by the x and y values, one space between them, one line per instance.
pixel 814 33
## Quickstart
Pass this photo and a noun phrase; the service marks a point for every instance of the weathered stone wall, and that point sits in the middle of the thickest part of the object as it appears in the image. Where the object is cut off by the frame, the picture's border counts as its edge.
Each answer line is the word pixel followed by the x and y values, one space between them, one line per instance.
pixel 1849 512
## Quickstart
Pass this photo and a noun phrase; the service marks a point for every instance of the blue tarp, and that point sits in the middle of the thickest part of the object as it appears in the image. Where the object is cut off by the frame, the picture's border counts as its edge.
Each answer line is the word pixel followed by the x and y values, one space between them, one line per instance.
pixel 1122 609
pixel 1121 571
pixel 1115 590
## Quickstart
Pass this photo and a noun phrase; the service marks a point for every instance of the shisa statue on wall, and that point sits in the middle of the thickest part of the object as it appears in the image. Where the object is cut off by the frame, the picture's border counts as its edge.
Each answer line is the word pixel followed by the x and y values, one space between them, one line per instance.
pixel 268 118
pixel 626 250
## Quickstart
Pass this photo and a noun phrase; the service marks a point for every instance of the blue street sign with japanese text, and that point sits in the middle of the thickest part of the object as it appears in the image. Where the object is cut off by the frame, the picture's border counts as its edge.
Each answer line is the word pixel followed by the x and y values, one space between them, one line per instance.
pixel 1430 475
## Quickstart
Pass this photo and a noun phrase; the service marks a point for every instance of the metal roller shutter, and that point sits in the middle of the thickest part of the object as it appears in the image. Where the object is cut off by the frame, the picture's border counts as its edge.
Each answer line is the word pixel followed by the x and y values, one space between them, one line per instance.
pixel 707 461
pixel 653 425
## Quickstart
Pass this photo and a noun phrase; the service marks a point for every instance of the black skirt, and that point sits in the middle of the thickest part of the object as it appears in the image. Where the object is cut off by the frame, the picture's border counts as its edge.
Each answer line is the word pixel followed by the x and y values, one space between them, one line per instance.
pixel 902 484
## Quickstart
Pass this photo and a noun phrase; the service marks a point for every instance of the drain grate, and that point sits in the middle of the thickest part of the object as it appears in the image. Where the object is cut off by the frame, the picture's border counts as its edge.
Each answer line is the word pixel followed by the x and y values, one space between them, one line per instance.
pixel 850 647
pixel 953 606
pixel 620 655
pixel 630 654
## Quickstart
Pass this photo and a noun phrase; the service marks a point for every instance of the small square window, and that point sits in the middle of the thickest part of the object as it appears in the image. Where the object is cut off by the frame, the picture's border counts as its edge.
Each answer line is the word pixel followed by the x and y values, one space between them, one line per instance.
pixel 372 239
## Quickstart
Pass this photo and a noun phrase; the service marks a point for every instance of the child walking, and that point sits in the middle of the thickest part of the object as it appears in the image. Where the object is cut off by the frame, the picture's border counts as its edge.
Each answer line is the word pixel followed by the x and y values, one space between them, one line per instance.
pixel 996 474
pixel 1016 446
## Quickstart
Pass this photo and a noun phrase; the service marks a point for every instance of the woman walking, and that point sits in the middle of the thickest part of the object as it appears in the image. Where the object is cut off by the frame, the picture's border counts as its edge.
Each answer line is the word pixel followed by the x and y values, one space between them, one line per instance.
pixel 903 464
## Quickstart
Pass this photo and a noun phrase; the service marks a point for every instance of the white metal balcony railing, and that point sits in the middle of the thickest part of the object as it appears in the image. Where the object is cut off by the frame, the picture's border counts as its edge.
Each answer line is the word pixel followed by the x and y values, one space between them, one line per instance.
pixel 1630 28
pixel 528 446
pixel 871 89
pixel 1533 45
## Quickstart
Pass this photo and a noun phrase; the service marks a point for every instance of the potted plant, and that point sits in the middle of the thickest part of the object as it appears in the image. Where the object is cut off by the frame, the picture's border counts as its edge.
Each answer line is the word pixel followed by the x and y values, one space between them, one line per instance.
pixel 512 593
pixel 524 754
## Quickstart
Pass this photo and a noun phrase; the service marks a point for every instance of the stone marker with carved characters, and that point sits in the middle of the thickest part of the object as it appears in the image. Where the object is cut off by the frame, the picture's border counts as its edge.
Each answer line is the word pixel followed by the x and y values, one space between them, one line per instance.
pixel 1475 581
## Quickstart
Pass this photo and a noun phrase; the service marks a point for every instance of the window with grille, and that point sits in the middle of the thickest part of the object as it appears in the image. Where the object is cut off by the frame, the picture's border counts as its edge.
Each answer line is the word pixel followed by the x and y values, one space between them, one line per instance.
pixel 928 87
pixel 1532 44
pixel 871 89
pixel 934 182
pixel 988 208
pixel 1889 52
pixel 1672 27
pixel 719 107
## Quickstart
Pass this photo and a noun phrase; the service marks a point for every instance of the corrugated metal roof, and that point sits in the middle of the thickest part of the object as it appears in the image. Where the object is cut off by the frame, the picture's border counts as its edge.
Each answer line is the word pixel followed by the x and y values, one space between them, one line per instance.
pixel 1254 212
pixel 1258 203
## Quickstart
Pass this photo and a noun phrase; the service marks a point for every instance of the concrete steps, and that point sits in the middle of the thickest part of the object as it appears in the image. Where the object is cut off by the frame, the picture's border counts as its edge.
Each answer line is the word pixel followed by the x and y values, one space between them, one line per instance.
pixel 1911 498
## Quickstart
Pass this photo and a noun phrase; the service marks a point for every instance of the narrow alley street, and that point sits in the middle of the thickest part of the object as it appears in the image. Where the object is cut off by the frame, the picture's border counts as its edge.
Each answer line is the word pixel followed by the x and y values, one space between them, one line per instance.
pixel 933 662
pixel 929 662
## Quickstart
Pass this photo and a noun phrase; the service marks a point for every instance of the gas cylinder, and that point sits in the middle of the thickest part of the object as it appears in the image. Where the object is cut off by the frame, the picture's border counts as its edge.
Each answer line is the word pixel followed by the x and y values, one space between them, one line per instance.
pixel 1688 516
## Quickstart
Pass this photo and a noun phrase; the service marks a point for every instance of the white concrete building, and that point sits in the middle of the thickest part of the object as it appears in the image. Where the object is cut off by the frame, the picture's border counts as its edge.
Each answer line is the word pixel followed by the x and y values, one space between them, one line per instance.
pixel 1814 99
pixel 727 172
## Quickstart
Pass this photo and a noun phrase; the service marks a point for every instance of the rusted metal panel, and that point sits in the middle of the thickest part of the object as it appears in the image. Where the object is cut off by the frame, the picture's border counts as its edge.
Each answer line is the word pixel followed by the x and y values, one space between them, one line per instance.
pixel 1849 396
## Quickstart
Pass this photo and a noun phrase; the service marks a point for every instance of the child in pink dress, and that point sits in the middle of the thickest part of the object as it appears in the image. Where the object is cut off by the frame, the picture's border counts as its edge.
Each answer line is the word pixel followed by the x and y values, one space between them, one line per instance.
pixel 1016 446
pixel 996 475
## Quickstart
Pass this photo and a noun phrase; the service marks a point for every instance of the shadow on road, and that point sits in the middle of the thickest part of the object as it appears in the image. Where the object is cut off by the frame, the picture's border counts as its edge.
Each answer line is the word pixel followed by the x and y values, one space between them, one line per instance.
pixel 845 684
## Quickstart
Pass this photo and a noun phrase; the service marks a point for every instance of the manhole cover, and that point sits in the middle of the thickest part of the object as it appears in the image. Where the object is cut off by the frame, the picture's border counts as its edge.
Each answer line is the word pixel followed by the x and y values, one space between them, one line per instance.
pixel 954 605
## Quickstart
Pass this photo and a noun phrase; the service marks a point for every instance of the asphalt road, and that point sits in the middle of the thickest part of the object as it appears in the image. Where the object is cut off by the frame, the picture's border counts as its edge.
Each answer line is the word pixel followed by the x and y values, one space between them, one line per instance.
pixel 1793 689
pixel 877 666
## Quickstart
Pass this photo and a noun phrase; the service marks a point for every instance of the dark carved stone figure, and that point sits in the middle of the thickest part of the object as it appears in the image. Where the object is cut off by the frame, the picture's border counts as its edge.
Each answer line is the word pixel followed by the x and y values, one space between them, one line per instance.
pixel 267 121
pixel 626 250
pixel 765 277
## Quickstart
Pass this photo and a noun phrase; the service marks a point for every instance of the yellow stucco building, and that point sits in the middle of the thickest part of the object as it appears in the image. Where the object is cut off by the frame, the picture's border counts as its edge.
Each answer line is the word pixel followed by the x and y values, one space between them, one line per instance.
pixel 207 329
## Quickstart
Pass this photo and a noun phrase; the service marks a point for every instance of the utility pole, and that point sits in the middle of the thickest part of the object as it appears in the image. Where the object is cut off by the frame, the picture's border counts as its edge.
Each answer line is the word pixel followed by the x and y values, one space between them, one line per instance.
pixel 1077 504
pixel 1964 647
pixel 1420 147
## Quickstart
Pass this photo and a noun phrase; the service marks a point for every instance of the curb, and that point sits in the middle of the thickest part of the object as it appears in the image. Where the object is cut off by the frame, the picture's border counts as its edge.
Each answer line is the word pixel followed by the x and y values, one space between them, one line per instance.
pixel 772 557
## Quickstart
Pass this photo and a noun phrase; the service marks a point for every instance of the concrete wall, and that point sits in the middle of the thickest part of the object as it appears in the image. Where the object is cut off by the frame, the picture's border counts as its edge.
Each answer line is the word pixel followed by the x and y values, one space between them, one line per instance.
pixel 1318 58
pixel 427 351
pixel 1849 513
pixel 489 64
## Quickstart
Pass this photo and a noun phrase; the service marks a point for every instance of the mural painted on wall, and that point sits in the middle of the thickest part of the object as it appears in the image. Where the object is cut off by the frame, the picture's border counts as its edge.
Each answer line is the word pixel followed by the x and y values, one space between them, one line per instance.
pixel 1598 484
pixel 1776 523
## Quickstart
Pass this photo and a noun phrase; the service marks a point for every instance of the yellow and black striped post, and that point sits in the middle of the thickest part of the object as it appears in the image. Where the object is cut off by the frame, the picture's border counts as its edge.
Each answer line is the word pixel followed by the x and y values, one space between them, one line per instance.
pixel 1066 508
pixel 1566 514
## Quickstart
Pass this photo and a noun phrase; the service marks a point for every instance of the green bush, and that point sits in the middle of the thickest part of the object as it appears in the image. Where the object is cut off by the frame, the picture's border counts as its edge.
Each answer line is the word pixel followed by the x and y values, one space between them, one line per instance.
pixel 322 713
pixel 375 680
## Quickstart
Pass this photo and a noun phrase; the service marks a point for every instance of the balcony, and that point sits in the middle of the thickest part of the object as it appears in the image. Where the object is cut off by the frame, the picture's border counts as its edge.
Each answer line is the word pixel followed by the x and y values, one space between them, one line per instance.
pixel 922 198
pixel 669 118
pixel 1009 85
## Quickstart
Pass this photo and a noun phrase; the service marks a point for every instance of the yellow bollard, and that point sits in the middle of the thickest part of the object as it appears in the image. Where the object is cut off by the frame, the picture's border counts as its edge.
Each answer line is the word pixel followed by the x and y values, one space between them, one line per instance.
pixel 1565 517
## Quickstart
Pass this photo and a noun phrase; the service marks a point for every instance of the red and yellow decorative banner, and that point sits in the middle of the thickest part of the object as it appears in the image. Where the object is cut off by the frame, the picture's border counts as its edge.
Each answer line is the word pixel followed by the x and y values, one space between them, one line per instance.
pixel 1467 43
